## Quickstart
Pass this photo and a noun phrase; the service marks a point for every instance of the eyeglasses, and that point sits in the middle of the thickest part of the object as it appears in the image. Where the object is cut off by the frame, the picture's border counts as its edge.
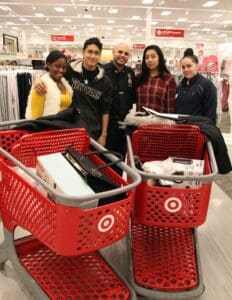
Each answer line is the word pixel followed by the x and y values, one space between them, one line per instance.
pixel 123 52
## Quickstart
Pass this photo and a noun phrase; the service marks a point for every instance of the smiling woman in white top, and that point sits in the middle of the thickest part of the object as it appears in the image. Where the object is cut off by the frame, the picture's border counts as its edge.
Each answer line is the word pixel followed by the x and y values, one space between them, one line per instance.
pixel 59 92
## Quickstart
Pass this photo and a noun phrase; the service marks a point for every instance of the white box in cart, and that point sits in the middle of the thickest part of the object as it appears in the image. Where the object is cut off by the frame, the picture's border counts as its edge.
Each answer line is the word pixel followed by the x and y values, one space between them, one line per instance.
pixel 183 167
pixel 61 176
pixel 189 167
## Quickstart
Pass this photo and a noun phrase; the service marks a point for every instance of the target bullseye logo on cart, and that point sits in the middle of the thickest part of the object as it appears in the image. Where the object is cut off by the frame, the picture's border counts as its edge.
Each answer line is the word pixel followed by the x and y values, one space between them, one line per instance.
pixel 173 204
pixel 106 223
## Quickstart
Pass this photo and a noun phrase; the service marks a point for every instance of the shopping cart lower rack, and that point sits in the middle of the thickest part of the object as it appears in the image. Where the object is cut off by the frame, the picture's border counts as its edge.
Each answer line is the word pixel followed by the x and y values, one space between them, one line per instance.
pixel 60 259
pixel 162 245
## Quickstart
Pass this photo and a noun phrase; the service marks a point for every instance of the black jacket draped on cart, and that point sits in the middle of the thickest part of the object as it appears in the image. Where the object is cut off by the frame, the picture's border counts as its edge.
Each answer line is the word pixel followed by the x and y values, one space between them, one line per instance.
pixel 213 133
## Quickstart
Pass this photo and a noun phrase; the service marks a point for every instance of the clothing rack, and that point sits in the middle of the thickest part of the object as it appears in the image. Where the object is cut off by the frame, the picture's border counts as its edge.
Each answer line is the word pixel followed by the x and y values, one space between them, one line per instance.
pixel 15 84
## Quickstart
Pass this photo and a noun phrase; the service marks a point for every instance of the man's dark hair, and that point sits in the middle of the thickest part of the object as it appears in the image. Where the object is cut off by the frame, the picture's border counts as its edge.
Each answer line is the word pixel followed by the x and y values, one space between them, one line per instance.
pixel 91 41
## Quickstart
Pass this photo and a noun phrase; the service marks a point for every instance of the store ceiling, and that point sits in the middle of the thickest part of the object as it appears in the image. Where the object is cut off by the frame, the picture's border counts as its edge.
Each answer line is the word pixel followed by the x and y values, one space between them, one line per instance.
pixel 115 20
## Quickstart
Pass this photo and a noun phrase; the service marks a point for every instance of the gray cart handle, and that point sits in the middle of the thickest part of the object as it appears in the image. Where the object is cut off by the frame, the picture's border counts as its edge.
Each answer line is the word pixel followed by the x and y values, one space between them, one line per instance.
pixel 203 178
pixel 86 201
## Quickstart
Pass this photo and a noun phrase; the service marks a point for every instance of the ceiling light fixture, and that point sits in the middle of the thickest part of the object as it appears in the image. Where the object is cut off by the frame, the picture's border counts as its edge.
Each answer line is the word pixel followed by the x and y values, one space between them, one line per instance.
pixel 182 19
pixel 210 3
pixel 40 15
pixel 2 7
pixel 195 25
pixel 59 9
pixel 113 10
pixel 165 13
pixel 214 16
pixel 135 17
pixel 87 16
pixel 227 22
pixel 147 1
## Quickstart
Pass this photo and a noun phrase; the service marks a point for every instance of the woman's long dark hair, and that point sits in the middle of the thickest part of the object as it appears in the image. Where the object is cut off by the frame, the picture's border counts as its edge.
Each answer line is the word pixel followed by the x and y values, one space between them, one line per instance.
pixel 143 76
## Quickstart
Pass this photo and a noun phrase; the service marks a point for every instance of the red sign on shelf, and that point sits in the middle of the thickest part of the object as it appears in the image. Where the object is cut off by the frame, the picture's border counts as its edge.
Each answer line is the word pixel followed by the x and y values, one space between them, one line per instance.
pixel 62 38
pixel 176 33
pixel 138 46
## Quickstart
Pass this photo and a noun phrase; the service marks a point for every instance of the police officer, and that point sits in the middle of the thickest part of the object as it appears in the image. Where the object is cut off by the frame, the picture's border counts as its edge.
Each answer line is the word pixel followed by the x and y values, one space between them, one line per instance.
pixel 123 82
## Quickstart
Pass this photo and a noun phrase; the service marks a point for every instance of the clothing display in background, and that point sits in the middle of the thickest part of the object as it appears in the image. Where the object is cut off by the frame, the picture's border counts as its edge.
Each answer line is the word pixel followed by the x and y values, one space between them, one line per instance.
pixel 225 90
pixel 24 82
pixel 38 64
pixel 226 66
pixel 209 63
pixel 8 96
pixel 15 86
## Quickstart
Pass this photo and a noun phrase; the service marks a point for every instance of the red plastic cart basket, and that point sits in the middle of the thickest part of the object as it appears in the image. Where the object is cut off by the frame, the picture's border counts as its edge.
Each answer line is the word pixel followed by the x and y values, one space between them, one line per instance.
pixel 165 206
pixel 66 230
pixel 162 246
pixel 88 228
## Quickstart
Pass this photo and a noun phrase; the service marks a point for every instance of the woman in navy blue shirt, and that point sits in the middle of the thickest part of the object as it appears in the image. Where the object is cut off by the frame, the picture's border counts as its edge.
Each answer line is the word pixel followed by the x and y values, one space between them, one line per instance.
pixel 196 95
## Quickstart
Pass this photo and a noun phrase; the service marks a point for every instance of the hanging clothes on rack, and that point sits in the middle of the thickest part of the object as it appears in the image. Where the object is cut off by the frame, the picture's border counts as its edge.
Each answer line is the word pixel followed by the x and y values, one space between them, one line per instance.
pixel 225 88
pixel 15 85
pixel 24 82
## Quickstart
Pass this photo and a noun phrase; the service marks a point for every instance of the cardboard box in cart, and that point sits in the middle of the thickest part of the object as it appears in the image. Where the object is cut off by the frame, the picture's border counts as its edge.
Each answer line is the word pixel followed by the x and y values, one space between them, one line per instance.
pixel 176 166
pixel 61 176
pixel 187 167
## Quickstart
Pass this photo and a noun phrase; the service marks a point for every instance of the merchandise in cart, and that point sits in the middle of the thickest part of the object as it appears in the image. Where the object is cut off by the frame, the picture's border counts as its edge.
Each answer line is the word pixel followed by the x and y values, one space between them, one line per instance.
pixel 162 245
pixel 60 259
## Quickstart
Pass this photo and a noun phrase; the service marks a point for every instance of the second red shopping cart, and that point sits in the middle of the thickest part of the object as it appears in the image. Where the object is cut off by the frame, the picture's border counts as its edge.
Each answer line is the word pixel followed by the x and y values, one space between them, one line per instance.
pixel 163 247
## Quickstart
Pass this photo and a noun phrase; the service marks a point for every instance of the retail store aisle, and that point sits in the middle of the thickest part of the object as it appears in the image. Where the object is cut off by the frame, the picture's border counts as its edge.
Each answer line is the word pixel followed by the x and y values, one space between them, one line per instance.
pixel 215 239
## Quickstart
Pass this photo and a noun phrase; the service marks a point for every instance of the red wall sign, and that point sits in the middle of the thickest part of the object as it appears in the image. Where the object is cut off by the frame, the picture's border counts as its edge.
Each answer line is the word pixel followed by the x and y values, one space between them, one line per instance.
pixel 62 38
pixel 138 46
pixel 176 33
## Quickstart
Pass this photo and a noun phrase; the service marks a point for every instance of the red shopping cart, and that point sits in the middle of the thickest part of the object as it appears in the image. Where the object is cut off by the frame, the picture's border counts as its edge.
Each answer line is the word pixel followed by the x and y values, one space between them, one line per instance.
pixel 163 247
pixel 60 259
